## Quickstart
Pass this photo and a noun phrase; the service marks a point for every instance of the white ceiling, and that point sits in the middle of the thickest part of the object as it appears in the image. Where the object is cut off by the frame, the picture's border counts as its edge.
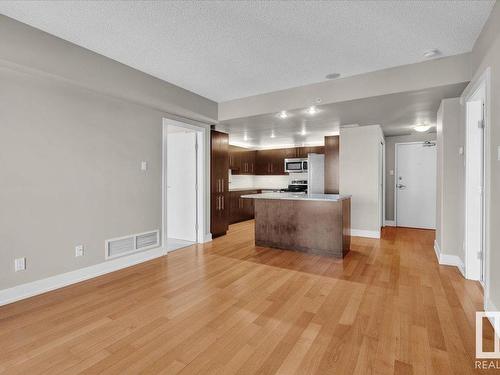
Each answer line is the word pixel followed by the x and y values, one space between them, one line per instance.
pixel 225 50
pixel 396 113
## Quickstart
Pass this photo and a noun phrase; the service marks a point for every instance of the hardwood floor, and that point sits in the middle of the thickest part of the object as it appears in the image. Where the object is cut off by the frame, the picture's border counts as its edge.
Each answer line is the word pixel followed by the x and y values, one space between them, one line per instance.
pixel 228 307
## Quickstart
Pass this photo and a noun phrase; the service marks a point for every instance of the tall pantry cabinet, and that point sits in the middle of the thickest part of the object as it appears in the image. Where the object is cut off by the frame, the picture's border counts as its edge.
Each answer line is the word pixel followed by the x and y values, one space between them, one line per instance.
pixel 219 186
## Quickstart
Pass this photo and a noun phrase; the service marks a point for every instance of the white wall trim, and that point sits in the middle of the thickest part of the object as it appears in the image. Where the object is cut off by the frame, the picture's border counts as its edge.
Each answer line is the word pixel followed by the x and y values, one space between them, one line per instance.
pixel 389 223
pixel 449 260
pixel 34 288
pixel 203 178
pixel 208 237
pixel 437 250
pixel 365 233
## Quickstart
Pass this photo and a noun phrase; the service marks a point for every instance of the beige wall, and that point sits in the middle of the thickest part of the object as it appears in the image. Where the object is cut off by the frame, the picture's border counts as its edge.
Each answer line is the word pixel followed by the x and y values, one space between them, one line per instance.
pixel 450 169
pixel 486 54
pixel 390 162
pixel 71 145
pixel 359 174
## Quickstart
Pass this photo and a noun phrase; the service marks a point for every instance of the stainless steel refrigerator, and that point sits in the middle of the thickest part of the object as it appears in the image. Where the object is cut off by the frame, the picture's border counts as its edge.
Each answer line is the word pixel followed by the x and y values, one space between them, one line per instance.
pixel 315 174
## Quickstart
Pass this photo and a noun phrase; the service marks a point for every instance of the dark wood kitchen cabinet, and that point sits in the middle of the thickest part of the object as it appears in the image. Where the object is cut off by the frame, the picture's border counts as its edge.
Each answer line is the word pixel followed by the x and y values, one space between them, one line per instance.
pixel 332 164
pixel 270 162
pixel 302 152
pixel 241 209
pixel 241 160
pixel 219 197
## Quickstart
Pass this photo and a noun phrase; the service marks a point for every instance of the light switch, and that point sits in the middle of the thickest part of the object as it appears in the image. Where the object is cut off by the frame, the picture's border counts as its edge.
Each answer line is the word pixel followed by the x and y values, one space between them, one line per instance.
pixel 460 150
pixel 79 251
pixel 144 166
pixel 19 264
pixel 391 172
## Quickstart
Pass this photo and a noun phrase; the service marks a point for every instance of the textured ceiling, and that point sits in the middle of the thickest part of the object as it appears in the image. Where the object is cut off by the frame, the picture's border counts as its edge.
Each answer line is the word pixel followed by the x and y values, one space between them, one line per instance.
pixel 396 113
pixel 227 50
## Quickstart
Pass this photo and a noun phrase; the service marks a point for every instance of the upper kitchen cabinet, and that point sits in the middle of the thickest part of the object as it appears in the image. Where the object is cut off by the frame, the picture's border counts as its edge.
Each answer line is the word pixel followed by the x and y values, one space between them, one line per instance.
pixel 302 152
pixel 270 162
pixel 234 158
pixel 241 160
pixel 219 166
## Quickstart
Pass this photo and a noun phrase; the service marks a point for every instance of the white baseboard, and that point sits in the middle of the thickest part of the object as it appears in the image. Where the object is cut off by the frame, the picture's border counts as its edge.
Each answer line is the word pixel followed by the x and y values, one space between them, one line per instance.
pixel 389 223
pixel 449 260
pixel 365 233
pixel 208 237
pixel 34 288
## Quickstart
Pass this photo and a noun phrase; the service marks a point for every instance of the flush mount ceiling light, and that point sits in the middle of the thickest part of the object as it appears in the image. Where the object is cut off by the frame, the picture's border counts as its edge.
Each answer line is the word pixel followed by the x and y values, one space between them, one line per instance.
pixel 312 110
pixel 332 76
pixel 283 114
pixel 429 54
pixel 421 128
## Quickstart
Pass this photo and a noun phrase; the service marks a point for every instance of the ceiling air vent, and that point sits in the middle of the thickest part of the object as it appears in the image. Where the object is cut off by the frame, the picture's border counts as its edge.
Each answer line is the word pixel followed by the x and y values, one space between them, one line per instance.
pixel 133 243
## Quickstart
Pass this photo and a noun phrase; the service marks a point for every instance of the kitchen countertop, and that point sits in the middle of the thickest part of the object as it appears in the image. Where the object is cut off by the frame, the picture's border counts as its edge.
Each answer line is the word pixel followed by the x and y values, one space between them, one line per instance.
pixel 298 196
pixel 245 189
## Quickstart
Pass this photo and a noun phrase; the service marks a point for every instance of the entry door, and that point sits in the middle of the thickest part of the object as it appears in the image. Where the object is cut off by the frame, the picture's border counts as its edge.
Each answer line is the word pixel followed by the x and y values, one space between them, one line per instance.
pixel 416 185
pixel 181 186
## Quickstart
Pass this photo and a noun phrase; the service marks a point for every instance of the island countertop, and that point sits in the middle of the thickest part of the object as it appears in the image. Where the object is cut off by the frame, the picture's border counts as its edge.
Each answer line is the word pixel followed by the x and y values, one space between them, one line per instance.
pixel 299 196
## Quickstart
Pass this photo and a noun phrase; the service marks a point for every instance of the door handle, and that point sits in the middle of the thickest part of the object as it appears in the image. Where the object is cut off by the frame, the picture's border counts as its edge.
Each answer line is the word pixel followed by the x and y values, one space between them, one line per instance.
pixel 222 199
pixel 401 186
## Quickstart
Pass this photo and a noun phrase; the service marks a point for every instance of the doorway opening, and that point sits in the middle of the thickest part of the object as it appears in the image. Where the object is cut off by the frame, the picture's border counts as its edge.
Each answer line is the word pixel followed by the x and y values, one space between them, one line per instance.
pixel 415 198
pixel 475 177
pixel 183 176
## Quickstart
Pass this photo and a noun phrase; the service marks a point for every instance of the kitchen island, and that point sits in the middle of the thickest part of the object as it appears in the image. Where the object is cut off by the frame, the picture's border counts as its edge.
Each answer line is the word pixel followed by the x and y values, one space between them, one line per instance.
pixel 313 223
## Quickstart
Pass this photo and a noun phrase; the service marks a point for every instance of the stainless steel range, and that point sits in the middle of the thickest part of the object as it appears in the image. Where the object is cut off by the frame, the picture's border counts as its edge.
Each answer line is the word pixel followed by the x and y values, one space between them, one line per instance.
pixel 297 186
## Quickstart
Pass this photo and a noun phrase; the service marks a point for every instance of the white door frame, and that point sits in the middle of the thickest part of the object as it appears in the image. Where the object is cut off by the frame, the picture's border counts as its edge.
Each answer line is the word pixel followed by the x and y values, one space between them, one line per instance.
pixel 396 146
pixel 202 137
pixel 482 82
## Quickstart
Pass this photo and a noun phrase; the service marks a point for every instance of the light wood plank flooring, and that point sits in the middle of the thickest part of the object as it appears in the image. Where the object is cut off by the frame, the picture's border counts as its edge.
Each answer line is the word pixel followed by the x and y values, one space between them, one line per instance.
pixel 230 308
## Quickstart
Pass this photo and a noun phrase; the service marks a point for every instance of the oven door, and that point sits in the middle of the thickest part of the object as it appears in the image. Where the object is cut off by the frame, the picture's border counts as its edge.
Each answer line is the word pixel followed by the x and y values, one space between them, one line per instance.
pixel 293 166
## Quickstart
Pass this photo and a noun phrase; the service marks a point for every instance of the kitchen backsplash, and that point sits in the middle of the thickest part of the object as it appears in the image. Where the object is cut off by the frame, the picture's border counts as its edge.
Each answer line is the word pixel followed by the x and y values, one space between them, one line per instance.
pixel 265 182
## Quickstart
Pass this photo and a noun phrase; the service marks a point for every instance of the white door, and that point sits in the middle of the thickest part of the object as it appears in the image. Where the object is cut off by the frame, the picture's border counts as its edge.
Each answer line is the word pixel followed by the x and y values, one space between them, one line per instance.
pixel 416 185
pixel 474 169
pixel 181 186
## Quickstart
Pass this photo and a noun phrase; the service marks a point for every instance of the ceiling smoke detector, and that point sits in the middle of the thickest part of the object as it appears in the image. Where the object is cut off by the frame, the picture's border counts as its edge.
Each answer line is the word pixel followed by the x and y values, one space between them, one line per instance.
pixel 332 76
pixel 432 53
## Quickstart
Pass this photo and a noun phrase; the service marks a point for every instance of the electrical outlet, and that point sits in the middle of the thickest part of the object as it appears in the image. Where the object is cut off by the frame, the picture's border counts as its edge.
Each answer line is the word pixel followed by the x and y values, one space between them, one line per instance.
pixel 79 251
pixel 19 264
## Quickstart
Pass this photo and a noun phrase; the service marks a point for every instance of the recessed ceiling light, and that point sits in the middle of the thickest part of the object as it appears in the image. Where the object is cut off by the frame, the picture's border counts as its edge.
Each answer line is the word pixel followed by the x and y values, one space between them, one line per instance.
pixel 431 53
pixel 421 128
pixel 283 114
pixel 312 110
pixel 332 76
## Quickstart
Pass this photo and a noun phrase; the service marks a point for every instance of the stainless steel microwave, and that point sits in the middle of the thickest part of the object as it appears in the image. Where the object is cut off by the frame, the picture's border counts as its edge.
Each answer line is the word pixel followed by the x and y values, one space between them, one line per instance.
pixel 296 165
